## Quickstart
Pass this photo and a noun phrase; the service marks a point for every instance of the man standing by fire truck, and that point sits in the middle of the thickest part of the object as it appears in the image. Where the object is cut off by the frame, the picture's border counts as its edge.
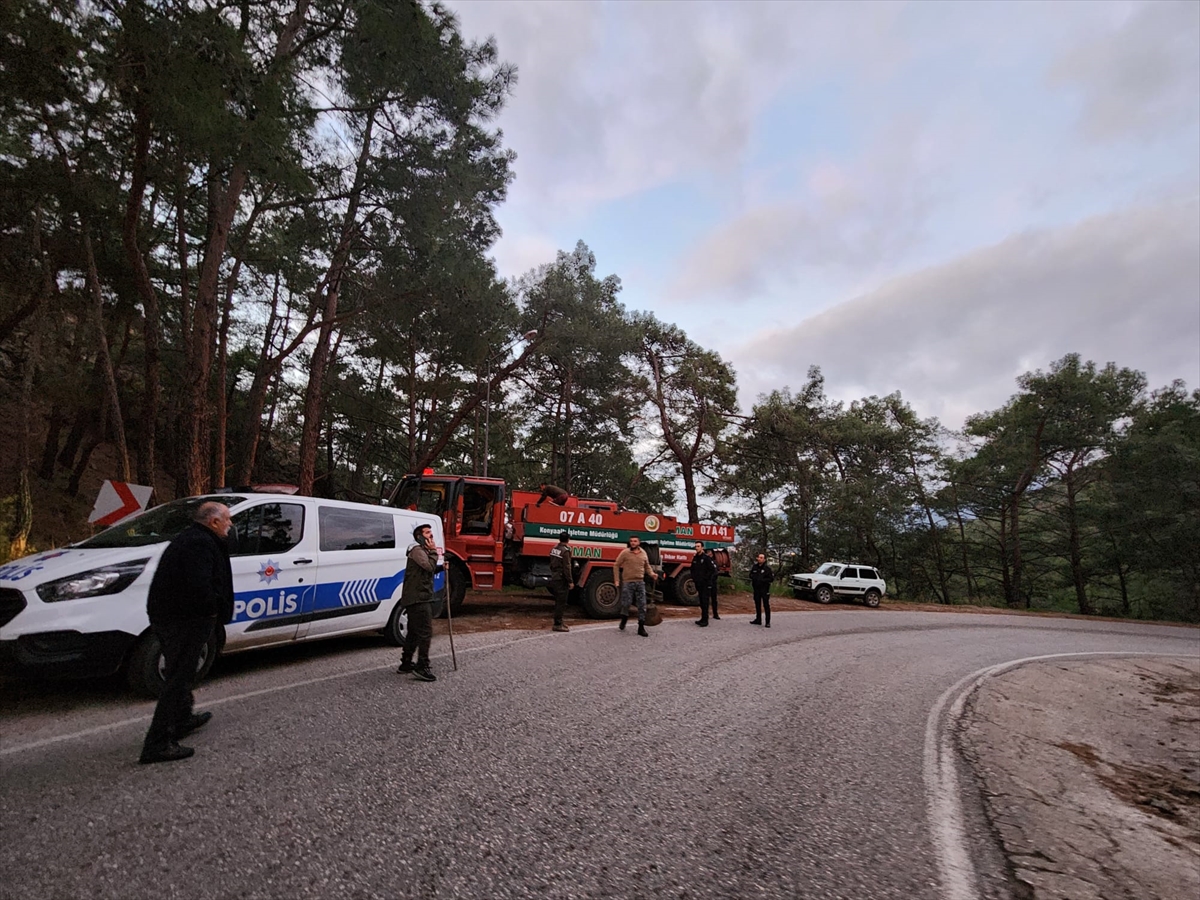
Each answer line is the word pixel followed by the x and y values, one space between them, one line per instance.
pixel 704 574
pixel 561 578
pixel 630 572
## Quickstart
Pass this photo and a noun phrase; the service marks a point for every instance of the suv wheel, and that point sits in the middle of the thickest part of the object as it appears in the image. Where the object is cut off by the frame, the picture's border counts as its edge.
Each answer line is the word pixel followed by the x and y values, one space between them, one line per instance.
pixel 824 594
pixel 872 598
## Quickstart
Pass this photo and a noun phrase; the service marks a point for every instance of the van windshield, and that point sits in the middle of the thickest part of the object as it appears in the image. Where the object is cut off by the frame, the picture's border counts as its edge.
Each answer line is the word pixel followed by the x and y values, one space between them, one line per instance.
pixel 154 525
pixel 828 569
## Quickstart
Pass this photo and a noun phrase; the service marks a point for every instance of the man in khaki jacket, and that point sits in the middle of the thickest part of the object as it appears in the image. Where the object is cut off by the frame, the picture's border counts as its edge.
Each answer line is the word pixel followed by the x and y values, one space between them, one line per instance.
pixel 629 571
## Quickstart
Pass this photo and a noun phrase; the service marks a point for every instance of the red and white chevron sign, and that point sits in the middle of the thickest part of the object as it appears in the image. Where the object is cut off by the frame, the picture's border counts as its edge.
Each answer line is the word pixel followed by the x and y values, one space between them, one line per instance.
pixel 117 501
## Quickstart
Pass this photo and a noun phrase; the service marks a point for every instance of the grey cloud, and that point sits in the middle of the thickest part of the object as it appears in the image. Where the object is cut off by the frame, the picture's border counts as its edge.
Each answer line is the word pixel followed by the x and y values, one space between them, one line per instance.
pixel 1123 287
pixel 1141 78
pixel 617 98
pixel 863 215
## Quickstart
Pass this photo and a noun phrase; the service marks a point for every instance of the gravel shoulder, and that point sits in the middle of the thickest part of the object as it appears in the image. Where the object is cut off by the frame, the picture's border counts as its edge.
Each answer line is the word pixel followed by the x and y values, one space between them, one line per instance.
pixel 1090 774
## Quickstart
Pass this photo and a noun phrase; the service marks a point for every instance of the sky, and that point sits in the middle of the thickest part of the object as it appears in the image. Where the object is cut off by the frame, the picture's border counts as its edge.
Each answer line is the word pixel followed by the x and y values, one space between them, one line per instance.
pixel 923 197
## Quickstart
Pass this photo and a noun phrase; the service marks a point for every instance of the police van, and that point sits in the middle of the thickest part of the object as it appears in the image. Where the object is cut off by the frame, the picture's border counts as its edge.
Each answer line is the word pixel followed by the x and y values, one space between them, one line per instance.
pixel 303 569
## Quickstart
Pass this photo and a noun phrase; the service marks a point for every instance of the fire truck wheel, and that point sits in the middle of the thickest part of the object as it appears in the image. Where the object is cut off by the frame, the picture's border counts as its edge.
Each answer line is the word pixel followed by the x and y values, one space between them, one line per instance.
pixel 685 590
pixel 601 599
pixel 459 579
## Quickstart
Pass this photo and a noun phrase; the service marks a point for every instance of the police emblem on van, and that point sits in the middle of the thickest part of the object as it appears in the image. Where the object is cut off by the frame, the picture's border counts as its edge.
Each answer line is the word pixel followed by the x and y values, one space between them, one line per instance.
pixel 268 571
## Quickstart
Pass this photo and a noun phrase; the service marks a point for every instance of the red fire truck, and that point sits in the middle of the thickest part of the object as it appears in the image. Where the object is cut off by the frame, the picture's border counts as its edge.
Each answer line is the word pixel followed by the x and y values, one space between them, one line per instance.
pixel 495 536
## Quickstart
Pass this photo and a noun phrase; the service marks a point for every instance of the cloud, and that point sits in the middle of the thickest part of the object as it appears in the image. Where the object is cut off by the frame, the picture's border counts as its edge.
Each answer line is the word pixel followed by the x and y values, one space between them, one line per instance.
pixel 1140 78
pixel 1123 287
pixel 614 99
pixel 861 214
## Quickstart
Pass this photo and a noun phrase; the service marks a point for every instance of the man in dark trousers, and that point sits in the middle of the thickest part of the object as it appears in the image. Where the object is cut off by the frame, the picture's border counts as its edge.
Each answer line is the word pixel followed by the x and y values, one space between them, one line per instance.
pixel 191 591
pixel 761 577
pixel 554 494
pixel 417 599
pixel 702 577
pixel 630 571
pixel 561 578
pixel 712 585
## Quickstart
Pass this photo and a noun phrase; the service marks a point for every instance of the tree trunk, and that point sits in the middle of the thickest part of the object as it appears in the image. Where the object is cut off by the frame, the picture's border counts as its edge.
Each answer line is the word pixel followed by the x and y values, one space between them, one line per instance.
pixel 368 441
pixel 314 394
pixel 22 524
pixel 1125 607
pixel 110 377
pixel 1076 552
pixel 972 588
pixel 204 323
pixel 1014 597
pixel 568 421
pixel 151 326
pixel 50 447
pixel 448 430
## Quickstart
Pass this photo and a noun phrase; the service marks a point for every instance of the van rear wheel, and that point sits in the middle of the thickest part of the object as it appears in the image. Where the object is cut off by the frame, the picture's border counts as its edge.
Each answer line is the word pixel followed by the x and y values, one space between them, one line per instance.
pixel 145 671
pixel 397 627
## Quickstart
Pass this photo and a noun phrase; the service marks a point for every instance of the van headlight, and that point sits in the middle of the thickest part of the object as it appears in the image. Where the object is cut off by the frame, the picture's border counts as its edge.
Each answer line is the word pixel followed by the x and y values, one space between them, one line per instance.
pixel 93 583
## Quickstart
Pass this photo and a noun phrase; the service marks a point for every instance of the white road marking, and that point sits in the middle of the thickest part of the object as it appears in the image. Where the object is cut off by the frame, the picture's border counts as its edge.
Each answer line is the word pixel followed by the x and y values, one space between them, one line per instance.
pixel 944 806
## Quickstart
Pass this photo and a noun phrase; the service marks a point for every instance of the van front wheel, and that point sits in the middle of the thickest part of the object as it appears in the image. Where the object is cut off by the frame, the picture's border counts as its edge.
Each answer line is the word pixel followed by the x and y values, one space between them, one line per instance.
pixel 145 671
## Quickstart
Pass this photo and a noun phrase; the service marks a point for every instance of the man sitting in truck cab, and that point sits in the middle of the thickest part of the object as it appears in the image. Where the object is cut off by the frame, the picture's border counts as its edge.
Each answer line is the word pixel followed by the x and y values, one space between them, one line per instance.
pixel 478 501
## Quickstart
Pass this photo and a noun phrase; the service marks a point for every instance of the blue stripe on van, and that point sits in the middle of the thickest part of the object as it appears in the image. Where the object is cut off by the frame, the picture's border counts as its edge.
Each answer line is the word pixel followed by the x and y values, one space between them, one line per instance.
pixel 291 604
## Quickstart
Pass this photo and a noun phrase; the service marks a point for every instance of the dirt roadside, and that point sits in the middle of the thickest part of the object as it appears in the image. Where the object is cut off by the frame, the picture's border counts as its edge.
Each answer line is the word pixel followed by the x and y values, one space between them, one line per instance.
pixel 1090 769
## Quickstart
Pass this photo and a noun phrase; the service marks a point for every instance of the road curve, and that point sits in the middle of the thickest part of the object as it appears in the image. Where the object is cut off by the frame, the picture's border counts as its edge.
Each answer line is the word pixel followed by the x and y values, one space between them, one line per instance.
pixel 731 761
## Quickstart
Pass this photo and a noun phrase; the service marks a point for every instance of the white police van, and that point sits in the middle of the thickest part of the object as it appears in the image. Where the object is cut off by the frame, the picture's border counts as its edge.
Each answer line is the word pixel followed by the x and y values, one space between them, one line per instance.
pixel 303 569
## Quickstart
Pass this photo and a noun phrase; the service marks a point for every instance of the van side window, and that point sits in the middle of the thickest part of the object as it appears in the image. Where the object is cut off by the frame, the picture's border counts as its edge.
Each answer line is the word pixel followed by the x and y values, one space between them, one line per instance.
pixel 270 528
pixel 868 573
pixel 850 573
pixel 353 529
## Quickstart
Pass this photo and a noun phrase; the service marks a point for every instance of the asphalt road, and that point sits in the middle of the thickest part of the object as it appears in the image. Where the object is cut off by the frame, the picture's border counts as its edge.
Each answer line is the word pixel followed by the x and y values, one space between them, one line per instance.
pixel 810 760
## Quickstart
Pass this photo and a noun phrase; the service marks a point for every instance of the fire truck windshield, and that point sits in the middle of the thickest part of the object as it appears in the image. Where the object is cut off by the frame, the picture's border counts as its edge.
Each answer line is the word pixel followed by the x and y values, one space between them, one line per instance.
pixel 423 496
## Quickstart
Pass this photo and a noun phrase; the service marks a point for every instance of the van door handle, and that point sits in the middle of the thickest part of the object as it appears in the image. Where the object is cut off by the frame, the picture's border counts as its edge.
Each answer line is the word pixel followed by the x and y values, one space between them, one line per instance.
pixel 301 562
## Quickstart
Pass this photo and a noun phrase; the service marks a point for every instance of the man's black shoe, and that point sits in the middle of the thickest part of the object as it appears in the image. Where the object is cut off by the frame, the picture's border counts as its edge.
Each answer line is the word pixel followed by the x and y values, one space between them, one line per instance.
pixel 424 674
pixel 703 623
pixel 405 667
pixel 169 753
pixel 715 616
pixel 196 722
pixel 624 619
pixel 642 632
pixel 768 625
pixel 756 621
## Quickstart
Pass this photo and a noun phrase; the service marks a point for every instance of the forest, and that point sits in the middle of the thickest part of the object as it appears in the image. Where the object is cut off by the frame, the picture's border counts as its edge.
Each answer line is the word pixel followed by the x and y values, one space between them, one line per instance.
pixel 248 242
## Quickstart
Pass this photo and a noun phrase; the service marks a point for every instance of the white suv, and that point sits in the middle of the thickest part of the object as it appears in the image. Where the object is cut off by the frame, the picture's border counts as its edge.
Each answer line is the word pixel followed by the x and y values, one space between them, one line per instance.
pixel 842 580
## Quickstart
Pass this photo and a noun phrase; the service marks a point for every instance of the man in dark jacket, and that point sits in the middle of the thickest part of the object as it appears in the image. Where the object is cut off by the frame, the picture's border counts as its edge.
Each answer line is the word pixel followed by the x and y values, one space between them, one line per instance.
pixel 191 591
pixel 761 577
pixel 417 599
pixel 712 584
pixel 554 494
pixel 562 579
pixel 704 571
